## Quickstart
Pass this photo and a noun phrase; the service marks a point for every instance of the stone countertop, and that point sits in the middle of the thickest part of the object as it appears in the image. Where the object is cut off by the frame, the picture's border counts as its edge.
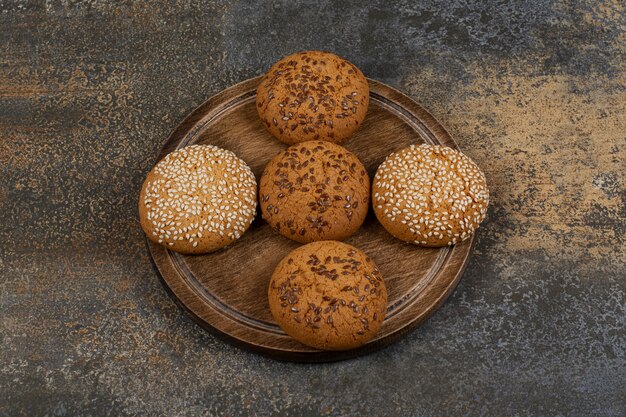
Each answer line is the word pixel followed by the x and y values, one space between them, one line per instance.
pixel 532 90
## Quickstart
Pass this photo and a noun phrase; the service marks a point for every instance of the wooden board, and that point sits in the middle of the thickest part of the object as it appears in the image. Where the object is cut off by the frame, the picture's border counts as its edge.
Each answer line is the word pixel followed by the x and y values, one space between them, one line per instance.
pixel 225 292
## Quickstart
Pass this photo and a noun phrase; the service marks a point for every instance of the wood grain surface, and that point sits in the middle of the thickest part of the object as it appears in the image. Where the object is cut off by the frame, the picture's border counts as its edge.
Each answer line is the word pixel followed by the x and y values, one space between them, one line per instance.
pixel 225 291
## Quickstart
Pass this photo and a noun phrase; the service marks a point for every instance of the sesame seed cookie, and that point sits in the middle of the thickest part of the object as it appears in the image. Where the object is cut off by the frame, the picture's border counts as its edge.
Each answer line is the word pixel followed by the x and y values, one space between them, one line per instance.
pixel 312 95
pixel 197 199
pixel 328 295
pixel 430 195
pixel 315 191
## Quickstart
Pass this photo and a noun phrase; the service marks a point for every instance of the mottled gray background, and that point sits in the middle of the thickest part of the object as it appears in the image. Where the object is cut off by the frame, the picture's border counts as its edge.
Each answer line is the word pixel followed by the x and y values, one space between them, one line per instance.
pixel 534 91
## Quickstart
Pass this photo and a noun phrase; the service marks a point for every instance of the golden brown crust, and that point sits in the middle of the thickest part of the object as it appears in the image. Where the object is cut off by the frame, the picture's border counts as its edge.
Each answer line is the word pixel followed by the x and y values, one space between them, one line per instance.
pixel 312 95
pixel 430 195
pixel 328 295
pixel 315 191
pixel 197 199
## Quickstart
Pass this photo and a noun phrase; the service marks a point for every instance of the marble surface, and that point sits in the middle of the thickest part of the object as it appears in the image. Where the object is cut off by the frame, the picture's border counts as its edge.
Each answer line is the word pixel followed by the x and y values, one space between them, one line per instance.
pixel 534 91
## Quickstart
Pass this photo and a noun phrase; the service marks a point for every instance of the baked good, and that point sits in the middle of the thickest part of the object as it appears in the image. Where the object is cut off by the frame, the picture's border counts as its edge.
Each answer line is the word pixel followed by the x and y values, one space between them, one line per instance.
pixel 312 95
pixel 328 295
pixel 430 195
pixel 197 199
pixel 314 191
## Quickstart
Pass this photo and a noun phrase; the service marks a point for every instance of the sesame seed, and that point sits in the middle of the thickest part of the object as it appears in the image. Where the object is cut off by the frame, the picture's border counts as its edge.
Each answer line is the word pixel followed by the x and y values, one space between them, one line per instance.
pixel 194 185
pixel 420 186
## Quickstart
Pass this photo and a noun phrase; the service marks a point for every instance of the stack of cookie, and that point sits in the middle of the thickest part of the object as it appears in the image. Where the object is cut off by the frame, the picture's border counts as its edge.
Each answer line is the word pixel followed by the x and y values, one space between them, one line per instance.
pixel 326 294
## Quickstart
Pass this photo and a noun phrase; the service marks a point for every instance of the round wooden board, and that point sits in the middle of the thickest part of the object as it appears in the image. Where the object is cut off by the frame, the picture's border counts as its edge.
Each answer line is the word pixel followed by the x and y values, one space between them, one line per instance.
pixel 225 291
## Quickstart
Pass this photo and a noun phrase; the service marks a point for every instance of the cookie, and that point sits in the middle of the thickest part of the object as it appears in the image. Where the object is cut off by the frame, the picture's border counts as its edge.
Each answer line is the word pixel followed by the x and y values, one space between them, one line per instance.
pixel 328 295
pixel 312 95
pixel 430 195
pixel 197 199
pixel 314 191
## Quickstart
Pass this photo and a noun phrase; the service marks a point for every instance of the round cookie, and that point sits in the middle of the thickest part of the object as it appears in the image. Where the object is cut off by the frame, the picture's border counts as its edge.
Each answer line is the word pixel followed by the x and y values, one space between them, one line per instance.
pixel 312 95
pixel 197 199
pixel 328 295
pixel 315 191
pixel 430 195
